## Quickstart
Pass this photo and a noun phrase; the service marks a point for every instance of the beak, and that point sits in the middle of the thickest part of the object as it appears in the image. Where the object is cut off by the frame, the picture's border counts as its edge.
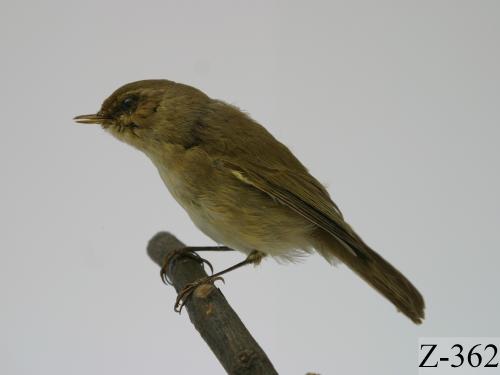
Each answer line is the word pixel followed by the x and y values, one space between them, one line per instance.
pixel 90 119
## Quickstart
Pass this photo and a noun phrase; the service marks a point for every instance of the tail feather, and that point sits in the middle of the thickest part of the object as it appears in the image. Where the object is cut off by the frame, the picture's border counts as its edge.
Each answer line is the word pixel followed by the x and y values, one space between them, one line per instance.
pixel 377 272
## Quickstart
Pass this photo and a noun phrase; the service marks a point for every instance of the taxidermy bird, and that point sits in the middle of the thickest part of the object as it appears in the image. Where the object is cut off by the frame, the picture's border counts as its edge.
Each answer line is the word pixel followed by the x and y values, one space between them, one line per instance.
pixel 240 185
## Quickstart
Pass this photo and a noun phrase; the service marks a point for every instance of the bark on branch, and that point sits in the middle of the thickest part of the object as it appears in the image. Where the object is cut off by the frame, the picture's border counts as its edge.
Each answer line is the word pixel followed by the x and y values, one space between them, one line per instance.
pixel 211 314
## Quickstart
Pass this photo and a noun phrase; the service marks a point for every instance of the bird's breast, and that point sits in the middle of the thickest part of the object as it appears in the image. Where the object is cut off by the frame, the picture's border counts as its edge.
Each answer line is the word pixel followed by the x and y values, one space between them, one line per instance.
pixel 190 178
pixel 229 211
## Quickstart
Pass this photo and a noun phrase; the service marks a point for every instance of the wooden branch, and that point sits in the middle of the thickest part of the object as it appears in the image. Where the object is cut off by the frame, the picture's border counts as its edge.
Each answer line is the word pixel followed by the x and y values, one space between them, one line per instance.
pixel 211 314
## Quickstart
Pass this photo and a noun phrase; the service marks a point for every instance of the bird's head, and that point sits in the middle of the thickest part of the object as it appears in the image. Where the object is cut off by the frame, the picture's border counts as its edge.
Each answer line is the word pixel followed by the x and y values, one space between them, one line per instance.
pixel 146 113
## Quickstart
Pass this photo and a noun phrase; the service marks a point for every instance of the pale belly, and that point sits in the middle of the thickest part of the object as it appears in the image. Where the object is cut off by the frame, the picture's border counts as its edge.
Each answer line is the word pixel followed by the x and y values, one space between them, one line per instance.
pixel 241 217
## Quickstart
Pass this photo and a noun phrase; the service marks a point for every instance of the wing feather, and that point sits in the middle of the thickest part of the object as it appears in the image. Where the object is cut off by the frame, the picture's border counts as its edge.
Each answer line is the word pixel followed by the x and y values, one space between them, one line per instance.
pixel 304 195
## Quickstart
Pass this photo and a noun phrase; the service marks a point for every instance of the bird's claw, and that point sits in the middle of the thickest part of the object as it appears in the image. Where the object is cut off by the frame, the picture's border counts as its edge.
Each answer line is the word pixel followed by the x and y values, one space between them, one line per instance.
pixel 172 256
pixel 190 288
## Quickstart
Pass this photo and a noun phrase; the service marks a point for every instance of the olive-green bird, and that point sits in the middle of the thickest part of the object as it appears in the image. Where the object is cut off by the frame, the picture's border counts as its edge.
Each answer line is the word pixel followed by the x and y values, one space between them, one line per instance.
pixel 240 185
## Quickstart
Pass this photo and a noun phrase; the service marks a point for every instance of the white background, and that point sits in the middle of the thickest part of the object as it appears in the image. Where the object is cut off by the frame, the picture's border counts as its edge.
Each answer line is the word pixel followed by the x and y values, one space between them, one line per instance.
pixel 393 104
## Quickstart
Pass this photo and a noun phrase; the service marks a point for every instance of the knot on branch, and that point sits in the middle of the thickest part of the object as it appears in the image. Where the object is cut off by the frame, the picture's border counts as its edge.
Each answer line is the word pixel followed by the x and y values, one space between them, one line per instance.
pixel 246 360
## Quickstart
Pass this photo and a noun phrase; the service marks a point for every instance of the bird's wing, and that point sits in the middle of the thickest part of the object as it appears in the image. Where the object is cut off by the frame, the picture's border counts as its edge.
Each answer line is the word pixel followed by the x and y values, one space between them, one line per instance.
pixel 302 193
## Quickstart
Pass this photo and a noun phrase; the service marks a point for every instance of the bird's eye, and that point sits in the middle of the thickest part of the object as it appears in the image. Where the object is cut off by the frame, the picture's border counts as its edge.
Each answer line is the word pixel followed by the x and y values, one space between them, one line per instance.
pixel 128 104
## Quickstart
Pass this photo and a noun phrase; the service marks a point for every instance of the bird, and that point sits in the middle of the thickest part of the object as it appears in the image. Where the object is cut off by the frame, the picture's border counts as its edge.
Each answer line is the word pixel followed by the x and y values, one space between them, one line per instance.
pixel 241 186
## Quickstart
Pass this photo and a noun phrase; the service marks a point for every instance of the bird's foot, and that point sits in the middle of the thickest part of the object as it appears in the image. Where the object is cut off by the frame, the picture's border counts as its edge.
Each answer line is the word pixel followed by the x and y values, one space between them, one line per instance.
pixel 184 294
pixel 172 257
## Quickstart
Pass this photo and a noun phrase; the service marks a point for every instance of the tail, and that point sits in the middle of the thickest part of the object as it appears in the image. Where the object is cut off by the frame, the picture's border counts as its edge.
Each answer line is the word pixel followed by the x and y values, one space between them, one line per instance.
pixel 377 272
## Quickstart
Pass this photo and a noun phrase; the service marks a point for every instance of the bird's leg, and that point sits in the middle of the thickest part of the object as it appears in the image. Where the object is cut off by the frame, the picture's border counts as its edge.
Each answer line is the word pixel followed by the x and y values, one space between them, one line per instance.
pixel 189 252
pixel 254 257
pixel 209 248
